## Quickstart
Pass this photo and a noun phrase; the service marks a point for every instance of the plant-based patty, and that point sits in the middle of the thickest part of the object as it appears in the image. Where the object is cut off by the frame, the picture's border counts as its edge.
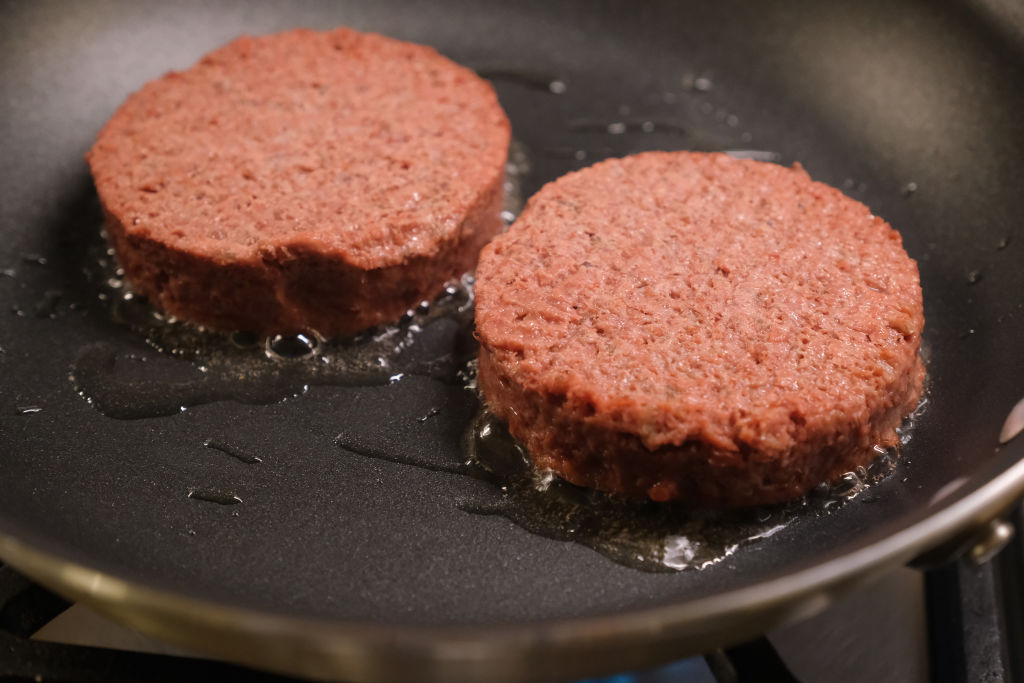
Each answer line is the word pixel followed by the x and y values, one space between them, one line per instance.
pixel 699 328
pixel 303 180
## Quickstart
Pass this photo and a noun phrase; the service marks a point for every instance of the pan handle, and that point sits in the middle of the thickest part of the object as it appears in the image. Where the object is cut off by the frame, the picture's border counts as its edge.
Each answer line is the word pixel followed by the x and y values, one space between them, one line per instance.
pixel 977 545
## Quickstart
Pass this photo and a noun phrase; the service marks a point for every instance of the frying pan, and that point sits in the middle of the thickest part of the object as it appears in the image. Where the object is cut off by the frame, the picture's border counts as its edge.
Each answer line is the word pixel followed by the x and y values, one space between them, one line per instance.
pixel 339 564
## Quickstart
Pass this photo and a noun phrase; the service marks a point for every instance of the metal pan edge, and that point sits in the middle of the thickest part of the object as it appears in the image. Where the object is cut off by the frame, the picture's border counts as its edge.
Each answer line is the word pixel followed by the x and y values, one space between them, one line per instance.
pixel 324 649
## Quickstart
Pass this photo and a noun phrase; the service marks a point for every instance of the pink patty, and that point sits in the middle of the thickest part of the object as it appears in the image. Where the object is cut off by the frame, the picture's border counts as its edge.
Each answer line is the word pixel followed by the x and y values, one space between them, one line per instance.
pixel 695 327
pixel 303 180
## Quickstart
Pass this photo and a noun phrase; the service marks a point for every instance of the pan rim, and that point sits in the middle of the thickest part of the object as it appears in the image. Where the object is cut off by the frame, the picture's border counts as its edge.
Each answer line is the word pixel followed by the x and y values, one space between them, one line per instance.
pixel 322 648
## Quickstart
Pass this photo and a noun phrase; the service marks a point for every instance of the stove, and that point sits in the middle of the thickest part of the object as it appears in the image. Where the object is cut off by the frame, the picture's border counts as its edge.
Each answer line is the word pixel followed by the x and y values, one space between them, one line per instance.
pixel 958 623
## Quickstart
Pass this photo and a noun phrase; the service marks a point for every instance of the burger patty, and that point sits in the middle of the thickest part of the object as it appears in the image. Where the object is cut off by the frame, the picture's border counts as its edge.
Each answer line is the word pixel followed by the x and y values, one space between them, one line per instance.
pixel 699 328
pixel 302 181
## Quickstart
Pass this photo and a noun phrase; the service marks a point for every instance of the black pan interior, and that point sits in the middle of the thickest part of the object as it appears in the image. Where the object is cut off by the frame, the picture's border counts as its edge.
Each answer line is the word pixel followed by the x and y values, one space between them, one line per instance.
pixel 912 107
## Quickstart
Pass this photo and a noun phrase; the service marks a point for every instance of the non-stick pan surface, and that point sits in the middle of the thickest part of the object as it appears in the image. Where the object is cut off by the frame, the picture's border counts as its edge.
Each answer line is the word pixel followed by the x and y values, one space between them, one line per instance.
pixel 339 563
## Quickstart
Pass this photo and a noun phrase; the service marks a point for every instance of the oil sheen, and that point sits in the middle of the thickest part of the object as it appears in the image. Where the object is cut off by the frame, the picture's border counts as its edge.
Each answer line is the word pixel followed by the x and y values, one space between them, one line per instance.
pixel 186 365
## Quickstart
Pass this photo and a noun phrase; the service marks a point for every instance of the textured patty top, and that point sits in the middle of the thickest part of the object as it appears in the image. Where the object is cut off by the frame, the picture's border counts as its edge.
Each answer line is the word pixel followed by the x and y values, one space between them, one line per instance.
pixel 355 144
pixel 681 296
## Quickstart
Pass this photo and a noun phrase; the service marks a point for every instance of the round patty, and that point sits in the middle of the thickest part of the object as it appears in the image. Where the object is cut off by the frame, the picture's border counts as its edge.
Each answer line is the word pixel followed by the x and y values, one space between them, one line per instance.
pixel 303 180
pixel 696 327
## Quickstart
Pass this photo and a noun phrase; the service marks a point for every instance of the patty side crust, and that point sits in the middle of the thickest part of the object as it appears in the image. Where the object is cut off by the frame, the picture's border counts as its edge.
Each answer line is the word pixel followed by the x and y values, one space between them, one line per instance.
pixel 303 180
pixel 694 327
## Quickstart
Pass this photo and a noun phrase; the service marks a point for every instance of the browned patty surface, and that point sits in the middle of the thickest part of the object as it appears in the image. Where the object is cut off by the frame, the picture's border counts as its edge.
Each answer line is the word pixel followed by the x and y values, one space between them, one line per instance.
pixel 696 327
pixel 303 180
